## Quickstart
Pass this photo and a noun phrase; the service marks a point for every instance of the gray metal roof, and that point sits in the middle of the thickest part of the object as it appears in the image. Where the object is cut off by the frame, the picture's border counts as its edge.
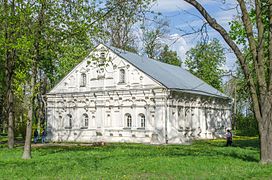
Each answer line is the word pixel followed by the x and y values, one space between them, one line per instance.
pixel 172 77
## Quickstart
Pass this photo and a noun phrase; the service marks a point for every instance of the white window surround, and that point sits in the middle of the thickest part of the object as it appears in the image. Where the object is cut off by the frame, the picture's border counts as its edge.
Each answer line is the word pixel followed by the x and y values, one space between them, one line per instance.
pixel 83 80
pixel 85 120
pixel 122 76
pixel 68 121
pixel 142 120
pixel 128 120
pixel 102 55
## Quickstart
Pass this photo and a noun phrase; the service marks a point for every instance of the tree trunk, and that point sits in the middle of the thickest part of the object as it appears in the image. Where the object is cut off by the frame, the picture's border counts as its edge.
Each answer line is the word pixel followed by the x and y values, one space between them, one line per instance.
pixel 27 147
pixel 260 90
pixel 10 119
pixel 43 87
pixel 265 129
pixel 9 72
pixel 1 114
pixel 34 70
pixel 266 146
pixel 10 55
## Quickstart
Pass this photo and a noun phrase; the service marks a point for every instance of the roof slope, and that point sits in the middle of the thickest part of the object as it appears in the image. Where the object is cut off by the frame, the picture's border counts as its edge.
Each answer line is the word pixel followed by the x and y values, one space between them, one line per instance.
pixel 172 77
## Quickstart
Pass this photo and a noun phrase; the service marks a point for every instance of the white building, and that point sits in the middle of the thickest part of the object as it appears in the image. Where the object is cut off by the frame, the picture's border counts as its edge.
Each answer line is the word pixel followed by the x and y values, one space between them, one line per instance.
pixel 118 96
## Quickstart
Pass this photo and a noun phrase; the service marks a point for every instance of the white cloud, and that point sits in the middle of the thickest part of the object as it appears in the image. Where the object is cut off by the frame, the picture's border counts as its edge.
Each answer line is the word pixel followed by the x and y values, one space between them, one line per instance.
pixel 176 5
pixel 170 5
pixel 190 18
pixel 177 43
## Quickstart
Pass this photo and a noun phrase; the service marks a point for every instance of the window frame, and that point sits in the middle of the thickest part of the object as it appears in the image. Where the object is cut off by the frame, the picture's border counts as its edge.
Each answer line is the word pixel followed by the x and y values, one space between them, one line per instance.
pixel 69 123
pixel 83 80
pixel 102 55
pixel 142 121
pixel 128 120
pixel 85 120
pixel 122 76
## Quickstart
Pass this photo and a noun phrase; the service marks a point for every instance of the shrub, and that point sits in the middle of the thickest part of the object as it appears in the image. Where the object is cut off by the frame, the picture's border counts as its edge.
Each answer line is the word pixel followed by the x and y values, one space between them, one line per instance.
pixel 246 125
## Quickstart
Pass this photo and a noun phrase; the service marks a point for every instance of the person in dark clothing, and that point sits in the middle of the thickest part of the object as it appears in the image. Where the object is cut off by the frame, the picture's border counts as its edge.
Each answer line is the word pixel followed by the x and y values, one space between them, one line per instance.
pixel 43 136
pixel 229 138
pixel 36 136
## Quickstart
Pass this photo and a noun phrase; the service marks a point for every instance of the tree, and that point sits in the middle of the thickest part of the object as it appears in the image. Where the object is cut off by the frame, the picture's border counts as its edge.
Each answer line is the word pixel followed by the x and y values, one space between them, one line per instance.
pixel 1 95
pixel 123 15
pixel 260 53
pixel 205 61
pixel 61 33
pixel 170 57
pixel 243 118
pixel 9 21
pixel 152 38
pixel 37 35
pixel 39 43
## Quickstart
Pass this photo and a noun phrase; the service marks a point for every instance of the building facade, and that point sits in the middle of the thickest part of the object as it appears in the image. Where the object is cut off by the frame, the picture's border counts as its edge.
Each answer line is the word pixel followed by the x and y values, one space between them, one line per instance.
pixel 118 96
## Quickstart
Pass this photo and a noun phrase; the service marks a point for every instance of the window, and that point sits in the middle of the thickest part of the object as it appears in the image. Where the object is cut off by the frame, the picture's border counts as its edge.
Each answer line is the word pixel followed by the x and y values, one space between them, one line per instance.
pixel 128 120
pixel 102 55
pixel 142 120
pixel 85 120
pixel 68 121
pixel 83 80
pixel 122 76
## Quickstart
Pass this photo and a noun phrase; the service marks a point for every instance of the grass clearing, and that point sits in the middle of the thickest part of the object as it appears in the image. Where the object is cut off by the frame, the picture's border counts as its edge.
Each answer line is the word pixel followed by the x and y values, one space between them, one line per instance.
pixel 201 160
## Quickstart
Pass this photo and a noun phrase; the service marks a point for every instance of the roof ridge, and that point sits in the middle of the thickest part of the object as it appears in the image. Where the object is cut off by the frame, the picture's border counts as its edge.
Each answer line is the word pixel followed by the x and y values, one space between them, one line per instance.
pixel 158 61
pixel 171 76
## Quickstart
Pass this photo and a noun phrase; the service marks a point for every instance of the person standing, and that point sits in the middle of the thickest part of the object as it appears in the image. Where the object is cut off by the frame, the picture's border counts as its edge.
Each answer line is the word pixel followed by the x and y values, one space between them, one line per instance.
pixel 43 136
pixel 36 136
pixel 229 138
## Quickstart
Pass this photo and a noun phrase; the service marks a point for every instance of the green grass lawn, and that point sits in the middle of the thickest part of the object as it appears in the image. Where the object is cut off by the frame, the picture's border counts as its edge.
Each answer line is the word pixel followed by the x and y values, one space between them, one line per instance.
pixel 201 160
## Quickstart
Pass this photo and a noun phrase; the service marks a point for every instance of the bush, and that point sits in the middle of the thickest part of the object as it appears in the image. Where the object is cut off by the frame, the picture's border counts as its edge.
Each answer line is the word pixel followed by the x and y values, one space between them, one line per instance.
pixel 20 128
pixel 246 125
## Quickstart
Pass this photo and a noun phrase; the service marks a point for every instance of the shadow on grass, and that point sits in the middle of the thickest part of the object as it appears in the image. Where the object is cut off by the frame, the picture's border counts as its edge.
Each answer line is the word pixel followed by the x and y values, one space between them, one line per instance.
pixel 199 149
pixel 243 149
pixel 248 144
pixel 244 157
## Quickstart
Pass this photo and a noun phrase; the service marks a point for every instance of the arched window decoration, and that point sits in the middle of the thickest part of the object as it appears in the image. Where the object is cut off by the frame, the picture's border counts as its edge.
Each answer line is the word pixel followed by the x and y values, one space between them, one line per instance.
pixel 142 120
pixel 69 121
pixel 83 80
pixel 122 76
pixel 85 120
pixel 102 55
pixel 128 120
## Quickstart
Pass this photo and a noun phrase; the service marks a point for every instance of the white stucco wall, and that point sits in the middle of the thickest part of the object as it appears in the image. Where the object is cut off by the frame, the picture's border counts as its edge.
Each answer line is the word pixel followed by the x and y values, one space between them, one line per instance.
pixel 192 116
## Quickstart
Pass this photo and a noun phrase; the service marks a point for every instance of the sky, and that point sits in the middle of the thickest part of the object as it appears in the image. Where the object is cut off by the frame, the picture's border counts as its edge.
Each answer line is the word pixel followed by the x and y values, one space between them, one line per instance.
pixel 182 17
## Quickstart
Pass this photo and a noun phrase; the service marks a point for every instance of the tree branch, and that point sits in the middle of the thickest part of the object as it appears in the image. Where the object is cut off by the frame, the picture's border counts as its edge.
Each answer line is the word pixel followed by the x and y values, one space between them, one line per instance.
pixel 248 27
pixel 212 22
pixel 257 52
pixel 260 51
pixel 270 46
